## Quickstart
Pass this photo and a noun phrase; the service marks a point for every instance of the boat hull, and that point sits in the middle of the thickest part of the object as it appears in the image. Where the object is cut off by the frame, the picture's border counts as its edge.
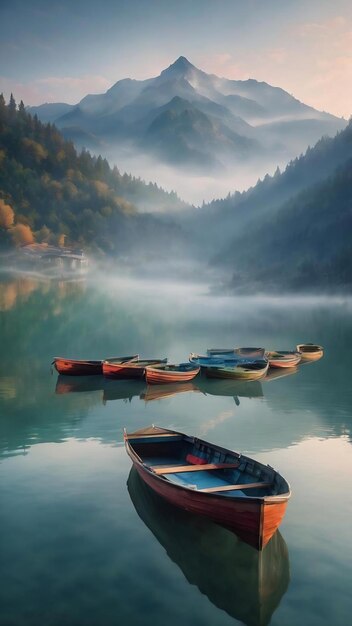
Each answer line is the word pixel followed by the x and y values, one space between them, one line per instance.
pixel 71 367
pixel 78 368
pixel 126 370
pixel 236 373
pixel 156 376
pixel 254 521
pixel 278 360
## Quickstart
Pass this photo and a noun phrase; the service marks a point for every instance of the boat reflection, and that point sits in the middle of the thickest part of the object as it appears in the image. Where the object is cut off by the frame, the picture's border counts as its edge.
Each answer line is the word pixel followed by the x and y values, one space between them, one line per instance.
pixel 128 389
pixel 112 389
pixel 122 389
pixel 275 373
pixel 227 387
pixel 157 392
pixel 245 583
pixel 68 384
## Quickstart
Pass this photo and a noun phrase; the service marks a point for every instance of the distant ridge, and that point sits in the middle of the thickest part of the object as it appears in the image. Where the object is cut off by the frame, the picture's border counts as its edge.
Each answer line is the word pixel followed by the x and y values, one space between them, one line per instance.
pixel 232 122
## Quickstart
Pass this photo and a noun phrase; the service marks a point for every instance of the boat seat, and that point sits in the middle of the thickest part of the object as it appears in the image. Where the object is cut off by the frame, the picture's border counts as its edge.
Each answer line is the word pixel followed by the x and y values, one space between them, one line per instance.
pixel 176 469
pixel 236 487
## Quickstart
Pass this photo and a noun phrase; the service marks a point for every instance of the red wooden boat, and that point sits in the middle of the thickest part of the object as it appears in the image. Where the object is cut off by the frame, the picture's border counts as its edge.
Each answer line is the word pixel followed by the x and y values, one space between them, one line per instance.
pixel 231 489
pixel 71 367
pixel 245 583
pixel 159 374
pixel 132 369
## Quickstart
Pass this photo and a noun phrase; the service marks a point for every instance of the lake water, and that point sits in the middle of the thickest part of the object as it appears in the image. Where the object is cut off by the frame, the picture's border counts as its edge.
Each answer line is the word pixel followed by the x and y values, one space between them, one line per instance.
pixel 83 542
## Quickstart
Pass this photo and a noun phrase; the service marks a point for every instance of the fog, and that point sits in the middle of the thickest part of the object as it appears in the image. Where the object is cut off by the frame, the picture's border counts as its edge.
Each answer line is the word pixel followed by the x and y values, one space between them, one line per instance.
pixel 192 185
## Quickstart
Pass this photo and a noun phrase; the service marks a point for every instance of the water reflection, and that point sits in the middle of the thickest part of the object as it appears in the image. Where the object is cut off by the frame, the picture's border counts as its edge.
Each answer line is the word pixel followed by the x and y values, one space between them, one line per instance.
pixel 276 373
pixel 120 389
pixel 128 389
pixel 17 288
pixel 158 392
pixel 233 388
pixel 39 319
pixel 248 585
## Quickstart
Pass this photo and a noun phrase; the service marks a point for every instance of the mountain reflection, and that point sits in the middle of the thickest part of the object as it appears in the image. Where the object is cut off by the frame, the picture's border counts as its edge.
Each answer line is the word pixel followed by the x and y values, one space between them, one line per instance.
pixel 245 583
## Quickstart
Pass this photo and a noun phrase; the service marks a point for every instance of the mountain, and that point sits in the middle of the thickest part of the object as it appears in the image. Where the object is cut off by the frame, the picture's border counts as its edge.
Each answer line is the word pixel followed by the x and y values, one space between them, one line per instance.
pixel 290 231
pixel 49 193
pixel 187 117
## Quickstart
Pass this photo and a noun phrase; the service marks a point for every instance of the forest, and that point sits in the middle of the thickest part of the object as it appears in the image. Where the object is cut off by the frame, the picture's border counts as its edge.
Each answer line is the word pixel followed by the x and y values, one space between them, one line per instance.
pixel 50 193
pixel 289 232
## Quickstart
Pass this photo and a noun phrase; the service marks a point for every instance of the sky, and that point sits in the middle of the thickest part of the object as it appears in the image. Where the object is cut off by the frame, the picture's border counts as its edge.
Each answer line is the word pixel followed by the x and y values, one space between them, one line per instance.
pixel 58 51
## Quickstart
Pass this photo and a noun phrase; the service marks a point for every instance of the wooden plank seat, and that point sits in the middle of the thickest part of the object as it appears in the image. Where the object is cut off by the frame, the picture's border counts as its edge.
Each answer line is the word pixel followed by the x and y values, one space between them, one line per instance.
pixel 152 435
pixel 176 469
pixel 236 487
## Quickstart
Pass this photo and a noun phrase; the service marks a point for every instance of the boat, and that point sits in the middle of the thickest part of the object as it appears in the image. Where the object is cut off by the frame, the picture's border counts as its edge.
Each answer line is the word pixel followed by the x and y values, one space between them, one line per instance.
pixel 170 373
pixel 131 369
pixel 158 392
pixel 231 489
pixel 254 353
pixel 283 358
pixel 248 585
pixel 310 351
pixel 247 370
pixel 71 367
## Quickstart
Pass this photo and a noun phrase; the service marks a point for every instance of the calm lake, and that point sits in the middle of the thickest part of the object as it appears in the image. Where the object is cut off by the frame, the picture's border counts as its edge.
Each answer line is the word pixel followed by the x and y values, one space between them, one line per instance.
pixel 83 542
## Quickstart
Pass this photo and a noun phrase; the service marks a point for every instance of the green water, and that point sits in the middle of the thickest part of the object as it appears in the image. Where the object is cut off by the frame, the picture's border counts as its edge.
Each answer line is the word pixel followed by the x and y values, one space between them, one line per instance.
pixel 83 542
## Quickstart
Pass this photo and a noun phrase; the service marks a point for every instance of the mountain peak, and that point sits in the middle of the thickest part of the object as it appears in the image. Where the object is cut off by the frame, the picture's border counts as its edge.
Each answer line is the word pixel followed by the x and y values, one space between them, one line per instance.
pixel 180 66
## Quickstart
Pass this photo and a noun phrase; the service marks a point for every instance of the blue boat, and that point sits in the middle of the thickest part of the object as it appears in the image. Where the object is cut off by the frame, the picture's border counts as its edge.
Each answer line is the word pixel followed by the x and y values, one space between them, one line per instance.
pixel 229 353
pixel 234 358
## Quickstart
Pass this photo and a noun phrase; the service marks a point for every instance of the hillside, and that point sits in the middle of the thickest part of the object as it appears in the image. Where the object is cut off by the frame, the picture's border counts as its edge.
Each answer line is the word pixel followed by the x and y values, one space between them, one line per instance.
pixel 50 193
pixel 291 231
pixel 305 246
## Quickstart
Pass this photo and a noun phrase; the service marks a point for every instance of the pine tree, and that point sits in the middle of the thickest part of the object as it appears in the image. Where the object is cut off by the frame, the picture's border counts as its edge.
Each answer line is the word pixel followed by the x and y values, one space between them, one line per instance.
pixel 12 107
pixel 22 111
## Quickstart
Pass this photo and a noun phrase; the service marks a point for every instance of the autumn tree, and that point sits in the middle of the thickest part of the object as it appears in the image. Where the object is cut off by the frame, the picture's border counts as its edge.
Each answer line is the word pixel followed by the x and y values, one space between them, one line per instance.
pixel 7 215
pixel 22 235
pixel 61 240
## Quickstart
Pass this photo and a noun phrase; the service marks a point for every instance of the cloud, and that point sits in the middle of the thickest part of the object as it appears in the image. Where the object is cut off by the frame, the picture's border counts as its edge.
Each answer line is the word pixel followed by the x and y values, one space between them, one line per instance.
pixel 54 88
pixel 312 60
pixel 322 29
pixel 277 55
pixel 327 47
